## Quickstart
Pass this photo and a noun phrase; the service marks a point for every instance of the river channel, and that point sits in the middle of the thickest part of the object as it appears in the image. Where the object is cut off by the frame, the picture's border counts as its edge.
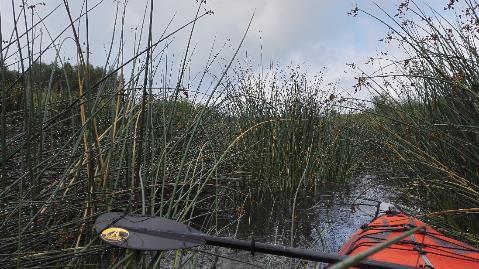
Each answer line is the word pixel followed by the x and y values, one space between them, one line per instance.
pixel 323 221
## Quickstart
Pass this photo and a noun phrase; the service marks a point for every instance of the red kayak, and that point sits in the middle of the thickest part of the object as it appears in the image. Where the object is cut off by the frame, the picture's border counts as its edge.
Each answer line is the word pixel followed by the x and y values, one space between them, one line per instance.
pixel 424 249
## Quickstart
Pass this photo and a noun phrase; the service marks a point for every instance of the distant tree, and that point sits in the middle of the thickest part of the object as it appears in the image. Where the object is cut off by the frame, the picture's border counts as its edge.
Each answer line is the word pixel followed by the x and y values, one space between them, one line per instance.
pixel 64 80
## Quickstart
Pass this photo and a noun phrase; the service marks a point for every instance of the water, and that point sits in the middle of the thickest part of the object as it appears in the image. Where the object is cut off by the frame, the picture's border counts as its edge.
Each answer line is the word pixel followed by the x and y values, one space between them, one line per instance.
pixel 323 221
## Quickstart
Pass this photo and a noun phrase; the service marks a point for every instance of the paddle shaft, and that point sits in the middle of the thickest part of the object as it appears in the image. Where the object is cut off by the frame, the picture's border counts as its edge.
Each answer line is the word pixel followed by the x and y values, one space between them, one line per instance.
pixel 267 248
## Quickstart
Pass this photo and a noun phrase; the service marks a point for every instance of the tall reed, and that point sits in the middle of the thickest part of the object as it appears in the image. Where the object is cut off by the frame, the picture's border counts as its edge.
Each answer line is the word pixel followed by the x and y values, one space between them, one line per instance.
pixel 425 112
pixel 298 116
pixel 83 153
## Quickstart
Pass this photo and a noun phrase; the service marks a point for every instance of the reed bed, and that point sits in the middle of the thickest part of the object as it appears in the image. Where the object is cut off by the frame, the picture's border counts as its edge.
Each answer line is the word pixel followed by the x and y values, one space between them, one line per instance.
pixel 78 140
pixel 299 134
pixel 425 112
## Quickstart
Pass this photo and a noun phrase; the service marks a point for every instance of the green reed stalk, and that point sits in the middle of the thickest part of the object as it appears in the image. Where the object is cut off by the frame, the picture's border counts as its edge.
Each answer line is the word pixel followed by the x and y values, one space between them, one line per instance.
pixel 427 119
pixel 3 136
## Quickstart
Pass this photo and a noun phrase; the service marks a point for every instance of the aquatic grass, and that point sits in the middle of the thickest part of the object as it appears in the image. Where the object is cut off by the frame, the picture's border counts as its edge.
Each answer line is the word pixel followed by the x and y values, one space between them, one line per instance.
pixel 303 116
pixel 425 113
pixel 102 139
pixel 73 177
pixel 101 148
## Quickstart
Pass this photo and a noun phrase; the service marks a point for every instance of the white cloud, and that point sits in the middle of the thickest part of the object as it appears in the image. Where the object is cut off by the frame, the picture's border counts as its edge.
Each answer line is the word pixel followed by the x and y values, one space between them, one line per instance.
pixel 315 33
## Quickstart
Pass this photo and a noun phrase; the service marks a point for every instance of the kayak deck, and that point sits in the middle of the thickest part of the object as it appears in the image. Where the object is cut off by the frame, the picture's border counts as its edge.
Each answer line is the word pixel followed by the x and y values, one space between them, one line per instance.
pixel 424 249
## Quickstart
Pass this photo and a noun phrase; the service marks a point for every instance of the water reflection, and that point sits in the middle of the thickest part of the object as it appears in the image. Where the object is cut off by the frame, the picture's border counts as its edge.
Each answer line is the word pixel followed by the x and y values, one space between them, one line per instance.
pixel 322 221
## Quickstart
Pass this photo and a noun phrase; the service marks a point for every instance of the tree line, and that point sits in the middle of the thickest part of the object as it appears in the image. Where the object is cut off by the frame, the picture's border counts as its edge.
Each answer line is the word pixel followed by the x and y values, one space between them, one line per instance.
pixel 60 79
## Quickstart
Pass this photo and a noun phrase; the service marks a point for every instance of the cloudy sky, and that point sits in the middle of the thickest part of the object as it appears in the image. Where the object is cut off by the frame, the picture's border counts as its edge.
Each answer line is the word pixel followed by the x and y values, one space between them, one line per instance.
pixel 312 33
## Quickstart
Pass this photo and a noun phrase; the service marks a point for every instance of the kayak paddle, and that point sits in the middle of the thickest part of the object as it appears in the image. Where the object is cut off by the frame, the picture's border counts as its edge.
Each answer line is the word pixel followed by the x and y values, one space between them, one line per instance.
pixel 140 232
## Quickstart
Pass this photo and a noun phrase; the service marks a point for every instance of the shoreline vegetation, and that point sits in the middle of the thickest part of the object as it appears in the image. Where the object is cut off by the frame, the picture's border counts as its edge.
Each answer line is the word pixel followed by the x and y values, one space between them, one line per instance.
pixel 77 140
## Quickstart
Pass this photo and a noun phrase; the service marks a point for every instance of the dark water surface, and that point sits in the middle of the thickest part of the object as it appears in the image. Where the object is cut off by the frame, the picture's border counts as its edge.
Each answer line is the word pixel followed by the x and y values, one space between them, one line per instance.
pixel 323 221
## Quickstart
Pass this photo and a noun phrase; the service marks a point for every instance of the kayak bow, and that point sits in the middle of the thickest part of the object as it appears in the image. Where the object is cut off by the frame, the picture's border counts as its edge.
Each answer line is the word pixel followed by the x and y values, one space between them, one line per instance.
pixel 426 248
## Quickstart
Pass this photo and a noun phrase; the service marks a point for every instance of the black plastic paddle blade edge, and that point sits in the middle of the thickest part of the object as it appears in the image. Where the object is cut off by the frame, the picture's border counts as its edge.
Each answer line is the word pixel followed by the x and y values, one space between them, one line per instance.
pixel 141 232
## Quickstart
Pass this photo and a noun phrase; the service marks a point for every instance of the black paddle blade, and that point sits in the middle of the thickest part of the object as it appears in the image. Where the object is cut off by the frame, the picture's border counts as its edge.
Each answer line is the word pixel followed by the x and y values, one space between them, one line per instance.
pixel 143 232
